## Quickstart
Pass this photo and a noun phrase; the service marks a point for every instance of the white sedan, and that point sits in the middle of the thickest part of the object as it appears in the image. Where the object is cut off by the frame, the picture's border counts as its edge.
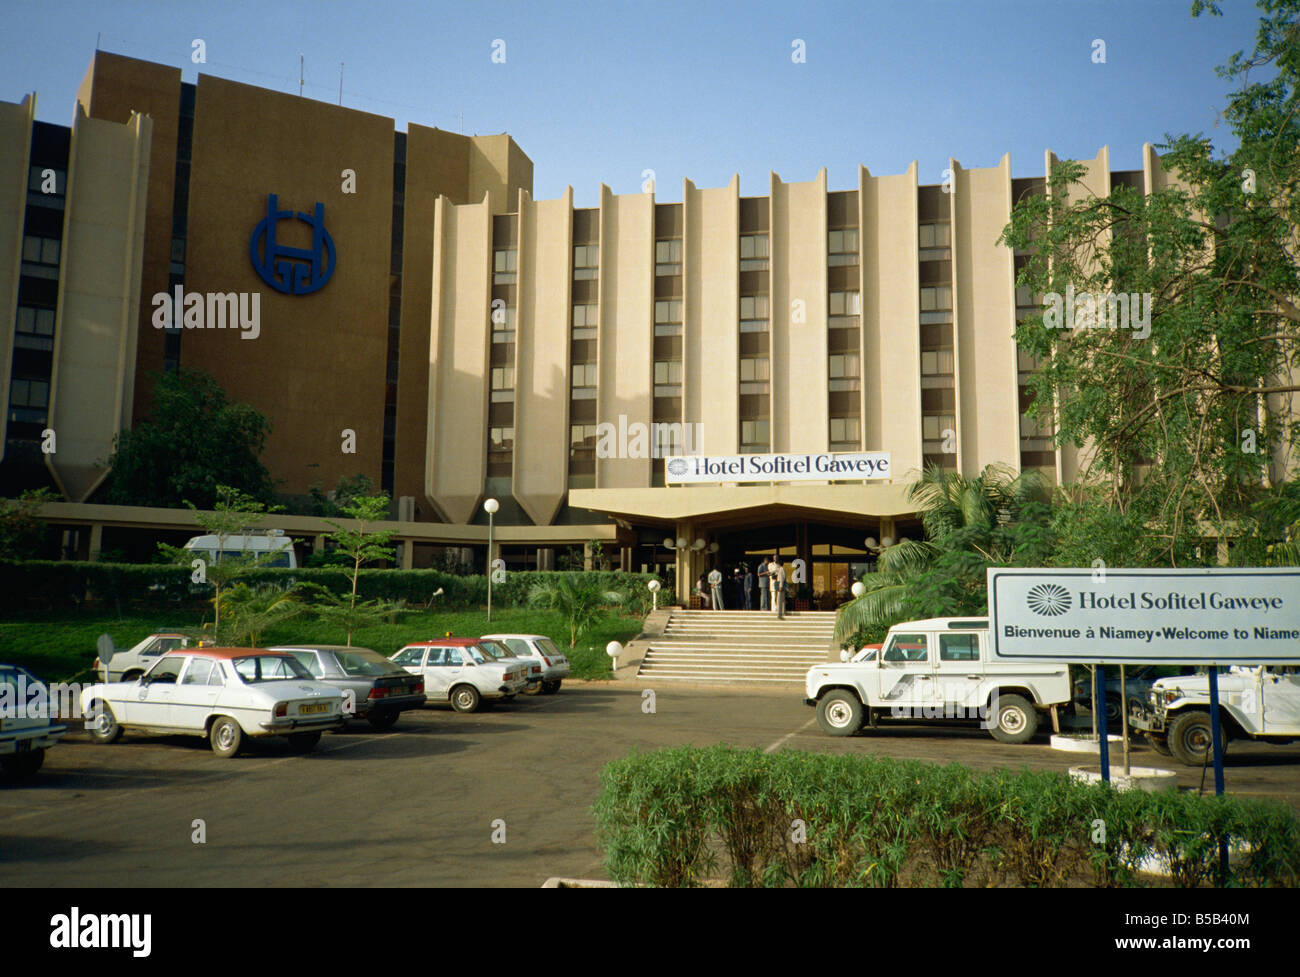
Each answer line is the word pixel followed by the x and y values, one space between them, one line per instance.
pixel 223 694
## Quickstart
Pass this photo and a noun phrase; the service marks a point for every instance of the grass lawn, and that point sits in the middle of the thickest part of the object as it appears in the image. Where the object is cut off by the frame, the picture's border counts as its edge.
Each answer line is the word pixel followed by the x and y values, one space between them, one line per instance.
pixel 60 646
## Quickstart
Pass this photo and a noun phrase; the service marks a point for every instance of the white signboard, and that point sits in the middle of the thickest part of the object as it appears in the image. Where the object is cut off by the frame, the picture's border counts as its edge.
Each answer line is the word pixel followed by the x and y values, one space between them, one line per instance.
pixel 829 466
pixel 1115 616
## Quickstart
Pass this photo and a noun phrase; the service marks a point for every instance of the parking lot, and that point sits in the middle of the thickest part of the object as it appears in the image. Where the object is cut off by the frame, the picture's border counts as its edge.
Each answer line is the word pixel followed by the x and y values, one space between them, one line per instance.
pixel 419 805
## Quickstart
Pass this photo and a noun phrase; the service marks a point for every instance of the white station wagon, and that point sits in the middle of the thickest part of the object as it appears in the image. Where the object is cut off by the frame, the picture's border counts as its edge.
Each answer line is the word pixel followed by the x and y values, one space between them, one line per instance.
pixel 542 650
pixel 223 694
pixel 458 671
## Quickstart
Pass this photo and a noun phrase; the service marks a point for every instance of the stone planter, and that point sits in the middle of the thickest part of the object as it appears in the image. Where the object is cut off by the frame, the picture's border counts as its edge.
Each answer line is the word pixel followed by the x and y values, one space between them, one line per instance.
pixel 1138 778
pixel 1069 743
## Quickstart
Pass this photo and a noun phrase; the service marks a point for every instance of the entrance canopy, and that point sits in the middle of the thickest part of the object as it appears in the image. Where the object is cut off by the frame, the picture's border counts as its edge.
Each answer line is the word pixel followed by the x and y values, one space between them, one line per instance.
pixel 712 504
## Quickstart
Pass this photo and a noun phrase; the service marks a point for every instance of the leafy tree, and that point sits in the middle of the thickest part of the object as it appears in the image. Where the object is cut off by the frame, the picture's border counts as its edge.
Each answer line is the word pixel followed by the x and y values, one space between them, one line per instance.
pixel 358 545
pixel 1179 426
pixel 21 525
pixel 233 514
pixel 193 439
pixel 581 603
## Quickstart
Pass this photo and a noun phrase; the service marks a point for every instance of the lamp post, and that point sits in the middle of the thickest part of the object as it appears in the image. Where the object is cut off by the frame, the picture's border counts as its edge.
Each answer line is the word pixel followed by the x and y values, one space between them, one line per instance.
pixel 490 507
pixel 614 649
pixel 654 594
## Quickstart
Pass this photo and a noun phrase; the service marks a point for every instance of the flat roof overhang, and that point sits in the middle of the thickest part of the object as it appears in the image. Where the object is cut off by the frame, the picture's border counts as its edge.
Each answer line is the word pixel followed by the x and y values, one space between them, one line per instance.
pixel 141 517
pixel 720 504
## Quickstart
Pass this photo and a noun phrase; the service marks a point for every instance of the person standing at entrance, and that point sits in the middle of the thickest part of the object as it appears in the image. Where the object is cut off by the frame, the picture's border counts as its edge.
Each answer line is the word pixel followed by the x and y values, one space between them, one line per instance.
pixel 763 577
pixel 715 583
pixel 778 595
pixel 749 587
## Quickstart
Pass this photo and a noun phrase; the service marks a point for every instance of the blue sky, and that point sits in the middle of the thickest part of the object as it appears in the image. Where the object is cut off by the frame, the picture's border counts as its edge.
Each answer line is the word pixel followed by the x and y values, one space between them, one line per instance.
pixel 602 91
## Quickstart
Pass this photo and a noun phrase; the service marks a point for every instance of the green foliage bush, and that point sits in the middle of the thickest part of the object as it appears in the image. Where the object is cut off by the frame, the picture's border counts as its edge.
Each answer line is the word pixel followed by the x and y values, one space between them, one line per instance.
pixel 60 584
pixel 670 817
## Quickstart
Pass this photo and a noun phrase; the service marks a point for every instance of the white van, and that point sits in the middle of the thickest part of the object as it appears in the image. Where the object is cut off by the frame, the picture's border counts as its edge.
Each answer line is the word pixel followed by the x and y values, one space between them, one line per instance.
pixel 270 541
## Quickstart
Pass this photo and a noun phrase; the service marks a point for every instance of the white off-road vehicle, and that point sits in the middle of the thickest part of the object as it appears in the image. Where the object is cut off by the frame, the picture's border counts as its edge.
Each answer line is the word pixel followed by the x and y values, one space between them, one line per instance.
pixel 1260 702
pixel 936 670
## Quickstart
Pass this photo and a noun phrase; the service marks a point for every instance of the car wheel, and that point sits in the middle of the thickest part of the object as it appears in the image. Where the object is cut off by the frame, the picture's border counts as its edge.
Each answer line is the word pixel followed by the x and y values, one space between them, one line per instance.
pixel 102 725
pixel 1113 714
pixel 1190 738
pixel 225 736
pixel 1159 744
pixel 383 718
pixel 839 713
pixel 1016 720
pixel 23 765
pixel 465 698
pixel 304 742
pixel 551 687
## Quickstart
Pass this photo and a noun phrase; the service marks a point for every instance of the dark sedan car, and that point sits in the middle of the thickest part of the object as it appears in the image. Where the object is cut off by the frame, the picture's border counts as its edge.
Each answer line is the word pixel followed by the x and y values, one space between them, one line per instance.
pixel 380 691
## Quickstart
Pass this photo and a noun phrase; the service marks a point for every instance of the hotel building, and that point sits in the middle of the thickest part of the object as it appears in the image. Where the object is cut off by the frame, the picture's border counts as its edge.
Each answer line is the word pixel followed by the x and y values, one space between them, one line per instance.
pixel 468 342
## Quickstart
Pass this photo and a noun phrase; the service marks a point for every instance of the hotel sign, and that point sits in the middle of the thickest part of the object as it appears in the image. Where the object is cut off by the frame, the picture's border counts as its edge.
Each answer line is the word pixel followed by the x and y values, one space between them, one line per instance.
pixel 837 466
pixel 1116 616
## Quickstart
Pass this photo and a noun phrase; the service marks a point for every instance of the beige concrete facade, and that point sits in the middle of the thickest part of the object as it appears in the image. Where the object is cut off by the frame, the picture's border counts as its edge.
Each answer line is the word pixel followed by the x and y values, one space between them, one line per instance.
pixel 15 150
pixel 99 298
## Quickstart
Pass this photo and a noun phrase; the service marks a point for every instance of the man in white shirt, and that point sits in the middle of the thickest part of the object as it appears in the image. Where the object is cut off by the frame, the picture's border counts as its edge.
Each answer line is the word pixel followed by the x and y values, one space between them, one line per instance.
pixel 715 584
pixel 778 586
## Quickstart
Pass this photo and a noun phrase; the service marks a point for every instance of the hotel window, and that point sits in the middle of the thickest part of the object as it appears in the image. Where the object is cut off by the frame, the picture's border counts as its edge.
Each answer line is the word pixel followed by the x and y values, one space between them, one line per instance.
pixel 842 247
pixel 35 328
pixel 754 375
pixel 753 252
pixel 935 240
pixel 586 261
pixel 668 378
pixel 936 304
pixel 503 384
pixel 844 309
pixel 36 183
pixel 668 257
pixel 845 434
pixel 503 324
pixel 501 446
pixel 754 437
pixel 505 266
pixel 936 431
pixel 668 317
pixel 582 449
pixel 585 320
pixel 936 363
pixel 40 256
pixel 843 371
pixel 584 381
pixel 753 313
pixel 28 400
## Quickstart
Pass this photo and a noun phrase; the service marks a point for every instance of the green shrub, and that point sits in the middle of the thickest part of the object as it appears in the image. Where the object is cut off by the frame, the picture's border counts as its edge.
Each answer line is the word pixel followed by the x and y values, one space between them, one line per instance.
pixel 667 818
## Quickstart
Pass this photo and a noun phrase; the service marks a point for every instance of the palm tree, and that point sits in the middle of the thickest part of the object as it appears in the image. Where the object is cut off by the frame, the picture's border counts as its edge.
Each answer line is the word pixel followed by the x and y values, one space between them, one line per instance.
pixel 958 514
pixel 580 603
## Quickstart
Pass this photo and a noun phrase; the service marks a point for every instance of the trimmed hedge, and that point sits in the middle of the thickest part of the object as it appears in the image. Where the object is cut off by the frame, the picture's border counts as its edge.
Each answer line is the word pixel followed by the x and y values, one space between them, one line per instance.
pixel 684 816
pixel 61 584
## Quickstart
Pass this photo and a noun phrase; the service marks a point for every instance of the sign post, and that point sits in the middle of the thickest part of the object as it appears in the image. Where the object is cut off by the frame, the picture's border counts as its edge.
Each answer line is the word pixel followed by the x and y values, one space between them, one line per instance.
pixel 1103 731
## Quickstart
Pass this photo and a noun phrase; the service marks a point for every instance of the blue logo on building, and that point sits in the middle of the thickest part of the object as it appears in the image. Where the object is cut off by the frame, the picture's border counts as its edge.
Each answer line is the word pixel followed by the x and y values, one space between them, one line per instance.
pixel 294 271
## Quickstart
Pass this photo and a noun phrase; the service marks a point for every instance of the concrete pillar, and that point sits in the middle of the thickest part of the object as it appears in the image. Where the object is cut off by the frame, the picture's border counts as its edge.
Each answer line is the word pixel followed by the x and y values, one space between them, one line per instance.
pixel 96 540
pixel 406 553
pixel 586 556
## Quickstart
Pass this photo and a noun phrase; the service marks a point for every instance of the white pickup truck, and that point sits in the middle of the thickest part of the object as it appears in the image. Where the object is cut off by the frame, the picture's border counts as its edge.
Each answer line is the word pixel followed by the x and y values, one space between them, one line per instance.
pixel 935 670
pixel 1260 702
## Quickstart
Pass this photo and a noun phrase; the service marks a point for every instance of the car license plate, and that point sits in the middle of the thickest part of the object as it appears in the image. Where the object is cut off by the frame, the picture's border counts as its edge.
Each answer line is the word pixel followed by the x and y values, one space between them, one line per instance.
pixel 309 710
pixel 22 746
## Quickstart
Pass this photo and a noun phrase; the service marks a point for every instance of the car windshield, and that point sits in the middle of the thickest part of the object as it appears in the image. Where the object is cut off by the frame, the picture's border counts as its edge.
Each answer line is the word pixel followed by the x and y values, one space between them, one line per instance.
pixel 495 649
pixel 548 647
pixel 362 661
pixel 269 668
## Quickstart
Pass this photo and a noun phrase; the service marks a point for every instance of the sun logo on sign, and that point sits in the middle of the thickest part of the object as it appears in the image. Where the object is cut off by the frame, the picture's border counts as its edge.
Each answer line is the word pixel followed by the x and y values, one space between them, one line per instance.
pixel 677 467
pixel 1049 599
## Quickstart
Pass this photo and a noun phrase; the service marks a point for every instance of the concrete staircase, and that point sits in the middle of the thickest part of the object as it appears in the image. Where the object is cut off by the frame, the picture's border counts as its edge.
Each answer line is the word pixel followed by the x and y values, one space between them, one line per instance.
pixel 739 646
